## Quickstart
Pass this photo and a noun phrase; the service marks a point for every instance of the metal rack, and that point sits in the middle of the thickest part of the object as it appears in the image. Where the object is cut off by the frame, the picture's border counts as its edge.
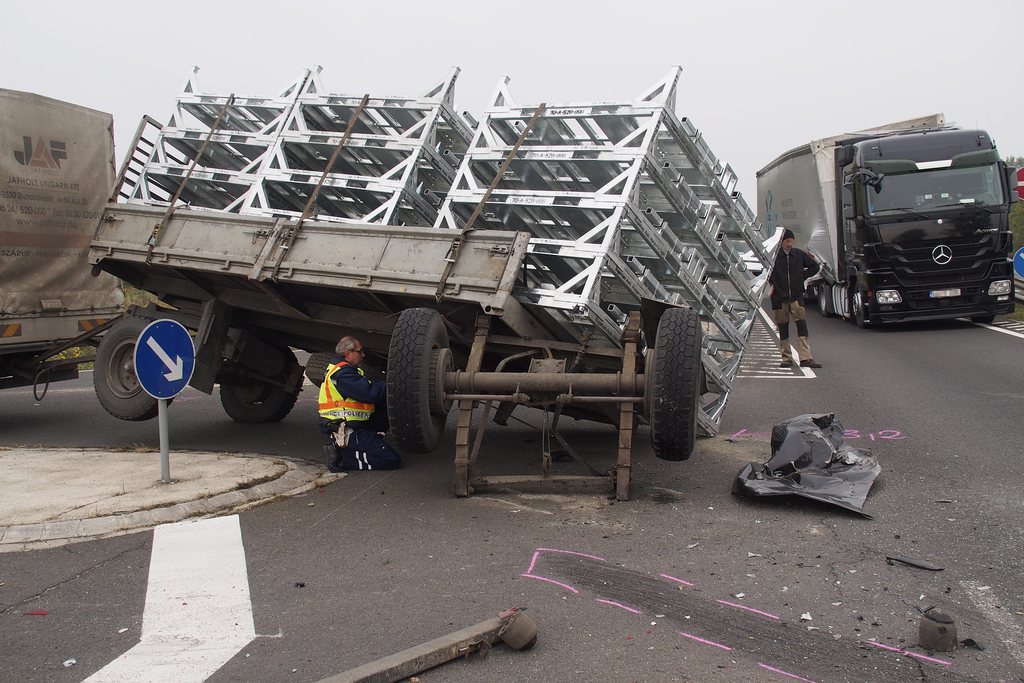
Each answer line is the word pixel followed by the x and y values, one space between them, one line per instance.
pixel 265 155
pixel 625 202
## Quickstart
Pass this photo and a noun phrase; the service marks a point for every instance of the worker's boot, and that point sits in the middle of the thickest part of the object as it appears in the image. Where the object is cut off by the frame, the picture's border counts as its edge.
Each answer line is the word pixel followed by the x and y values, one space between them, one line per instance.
pixel 331 458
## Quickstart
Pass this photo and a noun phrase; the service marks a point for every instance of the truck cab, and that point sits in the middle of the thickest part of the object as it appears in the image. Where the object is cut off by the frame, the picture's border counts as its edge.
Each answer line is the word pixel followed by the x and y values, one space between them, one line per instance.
pixel 925 226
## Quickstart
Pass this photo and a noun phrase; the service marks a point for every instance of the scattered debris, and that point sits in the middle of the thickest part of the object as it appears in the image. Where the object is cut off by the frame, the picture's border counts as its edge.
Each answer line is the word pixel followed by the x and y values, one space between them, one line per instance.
pixel 36 613
pixel 973 644
pixel 750 554
pixel 692 546
pixel 300 584
pixel 914 562
pixel 809 459
pixel 937 631
pixel 806 616
pixel 68 663
pixel 738 595
pixel 122 630
pixel 512 627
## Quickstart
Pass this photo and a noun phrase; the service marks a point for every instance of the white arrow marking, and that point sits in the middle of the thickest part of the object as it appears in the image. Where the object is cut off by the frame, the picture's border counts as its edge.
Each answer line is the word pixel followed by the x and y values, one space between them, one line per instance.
pixel 198 612
pixel 177 369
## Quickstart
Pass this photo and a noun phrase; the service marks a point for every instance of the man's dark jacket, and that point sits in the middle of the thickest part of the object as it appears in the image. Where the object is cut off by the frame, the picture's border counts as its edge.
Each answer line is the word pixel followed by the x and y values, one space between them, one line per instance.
pixel 788 275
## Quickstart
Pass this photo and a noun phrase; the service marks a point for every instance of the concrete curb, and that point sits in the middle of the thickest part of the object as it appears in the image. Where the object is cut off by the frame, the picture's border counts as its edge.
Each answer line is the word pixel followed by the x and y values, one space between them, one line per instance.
pixel 298 478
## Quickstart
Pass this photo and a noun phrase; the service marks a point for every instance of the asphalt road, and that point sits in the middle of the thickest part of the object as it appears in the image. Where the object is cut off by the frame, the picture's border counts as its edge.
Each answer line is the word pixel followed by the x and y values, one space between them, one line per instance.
pixel 389 560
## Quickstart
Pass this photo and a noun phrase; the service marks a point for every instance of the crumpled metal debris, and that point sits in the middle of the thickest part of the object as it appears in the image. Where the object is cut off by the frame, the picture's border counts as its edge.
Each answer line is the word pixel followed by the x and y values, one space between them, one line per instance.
pixel 809 459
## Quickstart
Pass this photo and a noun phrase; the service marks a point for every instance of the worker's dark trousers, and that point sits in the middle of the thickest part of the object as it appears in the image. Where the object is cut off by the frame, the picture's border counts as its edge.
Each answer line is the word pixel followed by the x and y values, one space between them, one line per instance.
pixel 366 450
pixel 782 315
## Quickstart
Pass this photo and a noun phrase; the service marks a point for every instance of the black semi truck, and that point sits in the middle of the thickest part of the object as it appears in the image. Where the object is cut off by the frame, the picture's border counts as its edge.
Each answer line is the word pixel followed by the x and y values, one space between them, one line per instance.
pixel 909 221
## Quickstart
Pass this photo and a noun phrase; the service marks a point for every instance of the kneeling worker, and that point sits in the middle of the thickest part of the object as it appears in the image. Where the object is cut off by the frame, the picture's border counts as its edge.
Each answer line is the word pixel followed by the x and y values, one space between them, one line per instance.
pixel 349 417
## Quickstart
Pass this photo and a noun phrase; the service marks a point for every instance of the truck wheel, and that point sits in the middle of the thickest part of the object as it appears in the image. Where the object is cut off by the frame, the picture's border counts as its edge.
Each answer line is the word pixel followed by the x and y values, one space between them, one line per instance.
pixel 985 319
pixel 417 416
pixel 254 402
pixel 117 385
pixel 859 318
pixel 674 384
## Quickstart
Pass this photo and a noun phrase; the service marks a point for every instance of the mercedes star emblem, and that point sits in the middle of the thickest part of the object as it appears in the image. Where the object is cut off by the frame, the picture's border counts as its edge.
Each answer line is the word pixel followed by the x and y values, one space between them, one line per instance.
pixel 942 254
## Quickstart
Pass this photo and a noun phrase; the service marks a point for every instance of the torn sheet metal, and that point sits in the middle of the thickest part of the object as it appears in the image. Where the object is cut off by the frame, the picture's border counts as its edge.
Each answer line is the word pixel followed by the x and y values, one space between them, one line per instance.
pixel 809 459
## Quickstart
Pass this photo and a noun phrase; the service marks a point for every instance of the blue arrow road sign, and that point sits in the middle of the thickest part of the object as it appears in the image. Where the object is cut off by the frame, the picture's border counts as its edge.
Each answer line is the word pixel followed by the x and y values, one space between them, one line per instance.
pixel 164 358
pixel 1018 262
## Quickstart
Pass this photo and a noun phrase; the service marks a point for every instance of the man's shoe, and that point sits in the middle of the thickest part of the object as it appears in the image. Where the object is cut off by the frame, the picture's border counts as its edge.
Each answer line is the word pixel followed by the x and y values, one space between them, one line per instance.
pixel 810 363
pixel 785 364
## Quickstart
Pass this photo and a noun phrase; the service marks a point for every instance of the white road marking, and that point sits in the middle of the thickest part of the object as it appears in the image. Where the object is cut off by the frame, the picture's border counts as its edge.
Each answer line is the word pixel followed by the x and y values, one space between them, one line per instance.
pixel 1012 333
pixel 198 612
pixel 1006 627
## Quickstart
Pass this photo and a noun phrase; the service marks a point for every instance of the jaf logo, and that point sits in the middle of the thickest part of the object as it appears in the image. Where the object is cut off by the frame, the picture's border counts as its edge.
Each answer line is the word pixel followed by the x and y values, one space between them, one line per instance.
pixel 41 155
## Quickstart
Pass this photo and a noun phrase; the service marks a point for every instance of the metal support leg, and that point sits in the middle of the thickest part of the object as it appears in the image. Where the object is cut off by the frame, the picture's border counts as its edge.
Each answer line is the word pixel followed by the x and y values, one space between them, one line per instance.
pixel 630 336
pixel 462 459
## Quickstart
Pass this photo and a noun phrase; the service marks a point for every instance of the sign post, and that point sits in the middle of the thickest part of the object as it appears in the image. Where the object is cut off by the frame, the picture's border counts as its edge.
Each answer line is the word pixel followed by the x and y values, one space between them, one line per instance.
pixel 164 360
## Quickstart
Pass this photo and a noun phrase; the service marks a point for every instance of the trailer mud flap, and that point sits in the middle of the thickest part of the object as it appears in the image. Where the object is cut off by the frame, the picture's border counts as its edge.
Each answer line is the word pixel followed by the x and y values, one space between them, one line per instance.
pixel 810 460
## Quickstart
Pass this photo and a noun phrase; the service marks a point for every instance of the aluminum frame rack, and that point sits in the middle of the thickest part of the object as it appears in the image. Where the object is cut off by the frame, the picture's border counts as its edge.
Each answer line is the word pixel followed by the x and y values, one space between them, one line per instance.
pixel 266 155
pixel 624 202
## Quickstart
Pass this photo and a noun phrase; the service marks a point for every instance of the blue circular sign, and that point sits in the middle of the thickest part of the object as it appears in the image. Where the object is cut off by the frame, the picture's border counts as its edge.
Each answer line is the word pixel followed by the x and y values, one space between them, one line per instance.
pixel 1018 263
pixel 164 358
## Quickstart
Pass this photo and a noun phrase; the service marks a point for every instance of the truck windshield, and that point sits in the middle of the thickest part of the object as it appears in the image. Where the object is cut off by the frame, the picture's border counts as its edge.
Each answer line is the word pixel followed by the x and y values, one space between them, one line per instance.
pixel 944 189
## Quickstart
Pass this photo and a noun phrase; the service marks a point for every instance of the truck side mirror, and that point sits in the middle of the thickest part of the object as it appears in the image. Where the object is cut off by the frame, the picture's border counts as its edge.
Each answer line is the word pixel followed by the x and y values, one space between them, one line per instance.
pixel 1011 184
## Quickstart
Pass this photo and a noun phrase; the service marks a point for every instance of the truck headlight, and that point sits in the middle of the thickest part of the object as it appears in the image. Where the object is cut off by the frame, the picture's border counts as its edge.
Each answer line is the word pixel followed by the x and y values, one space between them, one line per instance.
pixel 888 296
pixel 999 287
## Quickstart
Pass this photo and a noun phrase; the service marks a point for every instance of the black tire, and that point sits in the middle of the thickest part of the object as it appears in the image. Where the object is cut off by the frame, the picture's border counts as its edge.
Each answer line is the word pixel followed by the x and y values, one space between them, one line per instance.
pixel 117 386
pixel 984 319
pixel 316 367
pixel 675 384
pixel 859 319
pixel 418 337
pixel 254 402
pixel 824 294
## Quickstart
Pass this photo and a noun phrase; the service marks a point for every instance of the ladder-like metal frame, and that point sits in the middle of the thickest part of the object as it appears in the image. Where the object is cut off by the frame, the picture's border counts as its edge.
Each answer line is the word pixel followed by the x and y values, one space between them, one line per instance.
pixel 268 154
pixel 624 202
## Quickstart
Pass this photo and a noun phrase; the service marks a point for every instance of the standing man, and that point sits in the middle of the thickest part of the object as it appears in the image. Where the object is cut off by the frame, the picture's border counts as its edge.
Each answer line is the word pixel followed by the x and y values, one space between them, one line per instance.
pixel 349 417
pixel 792 267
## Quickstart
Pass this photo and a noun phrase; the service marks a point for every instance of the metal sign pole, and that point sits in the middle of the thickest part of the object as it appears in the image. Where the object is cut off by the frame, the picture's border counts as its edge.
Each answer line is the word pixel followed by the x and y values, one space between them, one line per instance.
pixel 165 460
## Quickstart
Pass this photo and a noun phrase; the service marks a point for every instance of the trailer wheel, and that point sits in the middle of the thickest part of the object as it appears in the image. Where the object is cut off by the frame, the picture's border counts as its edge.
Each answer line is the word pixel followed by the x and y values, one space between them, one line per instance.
pixel 674 384
pixel 117 386
pixel 416 414
pixel 316 367
pixel 253 402
pixel 824 294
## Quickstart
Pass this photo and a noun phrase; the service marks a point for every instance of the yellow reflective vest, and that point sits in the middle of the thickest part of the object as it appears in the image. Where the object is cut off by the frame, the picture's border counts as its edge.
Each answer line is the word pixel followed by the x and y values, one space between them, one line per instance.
pixel 334 406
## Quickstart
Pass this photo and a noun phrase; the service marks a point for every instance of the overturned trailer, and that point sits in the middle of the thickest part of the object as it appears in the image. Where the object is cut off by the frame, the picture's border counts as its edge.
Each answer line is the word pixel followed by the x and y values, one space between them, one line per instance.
pixel 588 260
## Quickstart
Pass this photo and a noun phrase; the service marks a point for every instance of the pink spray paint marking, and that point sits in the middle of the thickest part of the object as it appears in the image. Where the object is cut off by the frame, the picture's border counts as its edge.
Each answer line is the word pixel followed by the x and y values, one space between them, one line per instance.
pixel 784 673
pixel 908 653
pixel 748 609
pixel 538 551
pixel 672 578
pixel 848 434
pixel 533 563
pixel 704 640
pixel 620 605
pixel 557 583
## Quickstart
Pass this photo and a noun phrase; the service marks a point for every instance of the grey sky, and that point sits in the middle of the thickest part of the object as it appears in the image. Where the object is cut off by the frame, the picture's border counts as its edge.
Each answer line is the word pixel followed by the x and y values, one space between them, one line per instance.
pixel 758 77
